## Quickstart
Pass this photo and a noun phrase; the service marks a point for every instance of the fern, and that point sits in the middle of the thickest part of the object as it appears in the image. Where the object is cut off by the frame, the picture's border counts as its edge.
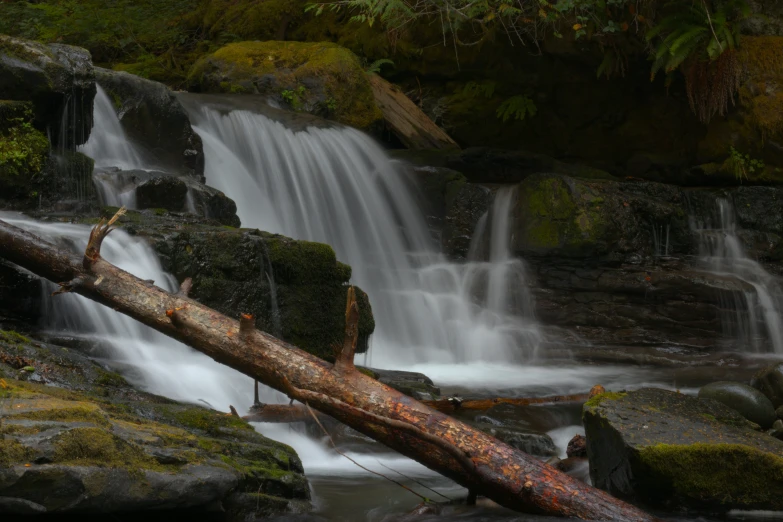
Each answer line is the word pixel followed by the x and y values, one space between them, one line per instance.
pixel 483 89
pixel 375 67
pixel 517 108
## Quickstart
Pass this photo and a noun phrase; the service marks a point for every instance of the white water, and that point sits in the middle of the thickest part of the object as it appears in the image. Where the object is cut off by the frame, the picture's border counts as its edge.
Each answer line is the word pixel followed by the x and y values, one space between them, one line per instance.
pixel 335 185
pixel 757 311
pixel 108 145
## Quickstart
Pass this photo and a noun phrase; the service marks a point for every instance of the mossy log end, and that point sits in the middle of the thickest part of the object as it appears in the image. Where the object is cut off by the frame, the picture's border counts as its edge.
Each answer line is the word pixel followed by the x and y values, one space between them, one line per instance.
pixel 500 472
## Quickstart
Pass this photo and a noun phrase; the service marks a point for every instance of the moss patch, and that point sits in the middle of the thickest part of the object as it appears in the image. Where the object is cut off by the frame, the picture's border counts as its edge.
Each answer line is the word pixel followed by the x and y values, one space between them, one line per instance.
pixel 608 396
pixel 714 472
pixel 23 149
pixel 96 447
pixel 320 78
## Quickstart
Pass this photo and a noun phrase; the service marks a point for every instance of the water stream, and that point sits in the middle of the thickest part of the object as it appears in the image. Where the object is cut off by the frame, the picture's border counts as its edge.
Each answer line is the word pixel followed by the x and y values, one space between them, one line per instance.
pixel 336 185
pixel 754 318
pixel 470 326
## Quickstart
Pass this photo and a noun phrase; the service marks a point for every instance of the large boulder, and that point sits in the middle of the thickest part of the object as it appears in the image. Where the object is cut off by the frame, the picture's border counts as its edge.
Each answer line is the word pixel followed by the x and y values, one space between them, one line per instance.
pixel 80 439
pixel 769 381
pixel 295 289
pixel 673 451
pixel 153 117
pixel 58 79
pixel 320 78
pixel 748 401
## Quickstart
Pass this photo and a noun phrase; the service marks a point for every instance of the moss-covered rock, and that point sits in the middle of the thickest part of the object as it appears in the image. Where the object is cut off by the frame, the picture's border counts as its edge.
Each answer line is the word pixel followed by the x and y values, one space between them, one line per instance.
pixel 295 289
pixel 80 438
pixel 320 78
pixel 24 150
pixel 673 451
pixel 54 77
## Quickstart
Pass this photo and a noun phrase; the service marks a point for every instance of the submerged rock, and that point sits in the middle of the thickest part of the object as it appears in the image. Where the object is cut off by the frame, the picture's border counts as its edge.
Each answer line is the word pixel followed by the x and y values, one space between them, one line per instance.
pixel 58 79
pixel 769 381
pixel 82 440
pixel 748 401
pixel 153 117
pixel 319 78
pixel 415 384
pixel 674 451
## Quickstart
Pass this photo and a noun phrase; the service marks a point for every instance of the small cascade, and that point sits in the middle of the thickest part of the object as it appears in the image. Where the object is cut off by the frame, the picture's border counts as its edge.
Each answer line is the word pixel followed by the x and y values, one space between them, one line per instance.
pixel 335 185
pixel 108 145
pixel 661 240
pixel 755 313
pixel 149 359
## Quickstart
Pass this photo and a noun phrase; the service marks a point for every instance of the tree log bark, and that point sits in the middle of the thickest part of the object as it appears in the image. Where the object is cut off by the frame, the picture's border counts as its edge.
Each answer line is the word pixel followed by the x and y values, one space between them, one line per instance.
pixel 406 120
pixel 443 444
pixel 284 413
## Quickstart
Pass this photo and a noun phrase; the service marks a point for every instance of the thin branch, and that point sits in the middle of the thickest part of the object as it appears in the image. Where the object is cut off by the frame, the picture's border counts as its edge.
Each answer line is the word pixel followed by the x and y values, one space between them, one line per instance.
pixel 334 446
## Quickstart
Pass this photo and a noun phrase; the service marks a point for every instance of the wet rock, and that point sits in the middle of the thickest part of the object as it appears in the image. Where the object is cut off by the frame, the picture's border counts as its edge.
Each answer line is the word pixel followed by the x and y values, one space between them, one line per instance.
pixel 320 78
pixel 87 442
pixel 295 289
pixel 153 117
pixel 769 381
pixel 58 79
pixel 415 384
pixel 577 447
pixel 673 451
pixel 748 401
pixel 212 203
pixel 538 444
pixel 163 192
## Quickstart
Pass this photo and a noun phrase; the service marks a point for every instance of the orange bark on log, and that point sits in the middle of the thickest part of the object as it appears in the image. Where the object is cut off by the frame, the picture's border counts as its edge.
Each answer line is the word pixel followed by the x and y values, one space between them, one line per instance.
pixel 471 458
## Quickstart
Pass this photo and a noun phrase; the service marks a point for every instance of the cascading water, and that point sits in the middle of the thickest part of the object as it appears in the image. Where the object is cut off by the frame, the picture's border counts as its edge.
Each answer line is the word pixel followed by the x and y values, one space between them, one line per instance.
pixel 757 311
pixel 335 185
pixel 150 359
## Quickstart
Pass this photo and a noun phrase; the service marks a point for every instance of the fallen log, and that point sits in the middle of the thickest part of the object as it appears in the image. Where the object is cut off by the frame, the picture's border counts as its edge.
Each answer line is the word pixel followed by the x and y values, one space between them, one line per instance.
pixel 406 120
pixel 469 457
pixel 285 413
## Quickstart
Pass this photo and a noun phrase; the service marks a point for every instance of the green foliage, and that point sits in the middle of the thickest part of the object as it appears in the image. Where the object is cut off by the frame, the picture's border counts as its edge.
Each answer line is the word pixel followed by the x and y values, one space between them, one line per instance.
pixel 375 67
pixel 692 31
pixel 295 97
pixel 741 165
pixel 23 151
pixel 475 89
pixel 517 108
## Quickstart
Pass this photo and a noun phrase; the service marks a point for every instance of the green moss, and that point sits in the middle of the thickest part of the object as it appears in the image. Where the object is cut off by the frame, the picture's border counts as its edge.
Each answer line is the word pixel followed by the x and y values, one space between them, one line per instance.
pixel 608 396
pixel 110 379
pixel 340 88
pixel 79 413
pixel 97 447
pixel 710 472
pixel 11 452
pixel 23 149
pixel 12 337
pixel 209 421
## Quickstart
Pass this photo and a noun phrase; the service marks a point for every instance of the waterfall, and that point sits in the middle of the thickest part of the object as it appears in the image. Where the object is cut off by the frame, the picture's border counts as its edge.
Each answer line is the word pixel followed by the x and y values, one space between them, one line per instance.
pixel 108 145
pixel 149 359
pixel 756 312
pixel 337 186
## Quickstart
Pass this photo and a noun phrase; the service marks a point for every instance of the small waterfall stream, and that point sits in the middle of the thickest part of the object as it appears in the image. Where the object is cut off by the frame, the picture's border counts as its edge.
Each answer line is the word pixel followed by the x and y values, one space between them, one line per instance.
pixel 335 185
pixel 756 312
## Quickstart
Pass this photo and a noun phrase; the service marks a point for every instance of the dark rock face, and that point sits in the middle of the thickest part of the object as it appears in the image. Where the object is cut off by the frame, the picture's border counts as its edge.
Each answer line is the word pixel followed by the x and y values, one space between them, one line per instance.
pixel 577 447
pixel 80 439
pixel 162 192
pixel 415 384
pixel 673 451
pixel 538 444
pixel 769 381
pixel 748 401
pixel 153 117
pixel 58 79
pixel 295 289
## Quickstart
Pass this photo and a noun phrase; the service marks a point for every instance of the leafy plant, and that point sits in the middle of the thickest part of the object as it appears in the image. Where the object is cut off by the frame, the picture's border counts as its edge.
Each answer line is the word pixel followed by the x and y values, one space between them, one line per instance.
pixel 742 164
pixel 702 45
pixel 375 67
pixel 517 108
pixel 331 105
pixel 475 89
pixel 294 97
pixel 288 96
